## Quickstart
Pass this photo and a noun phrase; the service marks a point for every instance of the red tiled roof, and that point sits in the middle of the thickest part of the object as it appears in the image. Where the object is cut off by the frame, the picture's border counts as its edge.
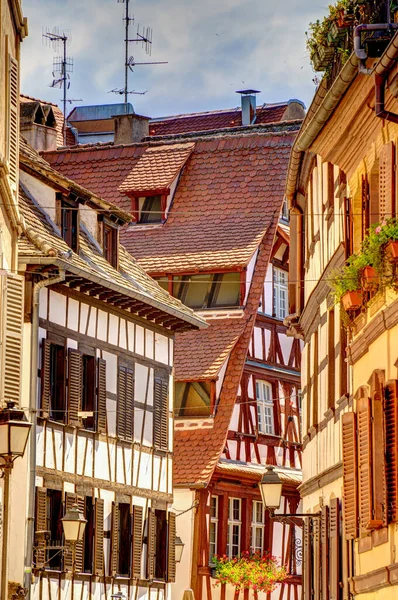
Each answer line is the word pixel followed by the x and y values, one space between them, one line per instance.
pixel 213 120
pixel 156 169
pixel 199 357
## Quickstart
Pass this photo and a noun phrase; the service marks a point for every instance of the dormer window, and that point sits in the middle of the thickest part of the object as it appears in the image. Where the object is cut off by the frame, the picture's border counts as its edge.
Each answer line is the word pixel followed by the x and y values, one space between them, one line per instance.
pixel 110 243
pixel 70 222
pixel 149 209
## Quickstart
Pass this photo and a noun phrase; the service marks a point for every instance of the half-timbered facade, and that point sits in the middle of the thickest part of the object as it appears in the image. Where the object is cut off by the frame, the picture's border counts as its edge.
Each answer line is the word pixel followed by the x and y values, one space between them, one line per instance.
pixel 341 181
pixel 101 357
pixel 207 208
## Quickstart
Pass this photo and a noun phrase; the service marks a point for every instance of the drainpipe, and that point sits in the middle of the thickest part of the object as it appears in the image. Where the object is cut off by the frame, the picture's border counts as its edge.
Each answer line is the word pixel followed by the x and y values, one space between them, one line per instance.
pixel 361 52
pixel 380 111
pixel 33 419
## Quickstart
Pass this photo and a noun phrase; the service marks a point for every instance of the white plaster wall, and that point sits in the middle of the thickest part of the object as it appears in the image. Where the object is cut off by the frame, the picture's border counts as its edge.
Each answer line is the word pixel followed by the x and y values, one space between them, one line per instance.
pixel 41 192
pixel 183 500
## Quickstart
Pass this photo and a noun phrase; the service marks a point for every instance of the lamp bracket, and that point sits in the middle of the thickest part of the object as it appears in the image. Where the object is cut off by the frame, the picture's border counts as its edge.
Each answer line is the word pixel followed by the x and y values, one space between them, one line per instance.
pixel 293 518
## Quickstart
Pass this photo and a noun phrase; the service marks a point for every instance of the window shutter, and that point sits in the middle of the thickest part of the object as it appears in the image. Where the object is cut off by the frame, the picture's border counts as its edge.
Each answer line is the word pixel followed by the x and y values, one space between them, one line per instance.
pixel 325 553
pixel 171 548
pixel 137 541
pixel 70 500
pixel 99 537
pixel 45 378
pixel 151 541
pixel 75 386
pixel 13 134
pixel 365 463
pixel 12 301
pixel 391 445
pixel 161 414
pixel 365 205
pixel 379 470
pixel 41 525
pixel 387 181
pixel 316 540
pixel 350 470
pixel 307 560
pixel 121 402
pixel 334 575
pixel 114 539
pixel 129 428
pixel 101 396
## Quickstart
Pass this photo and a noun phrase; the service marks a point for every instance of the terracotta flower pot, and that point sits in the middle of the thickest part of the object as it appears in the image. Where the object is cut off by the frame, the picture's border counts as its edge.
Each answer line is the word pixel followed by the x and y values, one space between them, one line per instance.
pixel 352 300
pixel 392 250
pixel 370 278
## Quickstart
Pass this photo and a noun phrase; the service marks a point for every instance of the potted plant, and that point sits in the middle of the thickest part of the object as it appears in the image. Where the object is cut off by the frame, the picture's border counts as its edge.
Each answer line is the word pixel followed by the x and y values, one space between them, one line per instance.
pixel 381 245
pixel 370 278
pixel 258 572
pixel 346 282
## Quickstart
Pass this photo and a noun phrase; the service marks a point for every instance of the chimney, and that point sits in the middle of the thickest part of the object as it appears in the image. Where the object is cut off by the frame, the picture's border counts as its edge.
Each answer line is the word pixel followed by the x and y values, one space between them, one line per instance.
pixel 130 128
pixel 38 125
pixel 248 102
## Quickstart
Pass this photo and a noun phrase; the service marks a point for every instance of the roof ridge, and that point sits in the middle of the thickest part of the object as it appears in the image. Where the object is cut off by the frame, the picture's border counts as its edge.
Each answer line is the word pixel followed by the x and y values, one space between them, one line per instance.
pixel 39 100
pixel 214 112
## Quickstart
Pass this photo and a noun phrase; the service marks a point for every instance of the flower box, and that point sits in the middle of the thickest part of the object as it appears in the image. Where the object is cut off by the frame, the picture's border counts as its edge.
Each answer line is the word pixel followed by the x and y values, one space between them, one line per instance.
pixel 370 278
pixel 326 54
pixel 392 250
pixel 345 19
pixel 336 33
pixel 352 300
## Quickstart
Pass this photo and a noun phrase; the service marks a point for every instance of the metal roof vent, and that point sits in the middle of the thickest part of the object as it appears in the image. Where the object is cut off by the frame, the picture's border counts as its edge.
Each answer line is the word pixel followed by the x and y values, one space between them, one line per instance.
pixel 248 101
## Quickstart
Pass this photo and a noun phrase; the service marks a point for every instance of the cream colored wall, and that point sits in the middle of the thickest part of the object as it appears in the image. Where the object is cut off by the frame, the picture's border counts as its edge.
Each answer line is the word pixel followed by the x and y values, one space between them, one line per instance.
pixel 41 192
pixel 183 500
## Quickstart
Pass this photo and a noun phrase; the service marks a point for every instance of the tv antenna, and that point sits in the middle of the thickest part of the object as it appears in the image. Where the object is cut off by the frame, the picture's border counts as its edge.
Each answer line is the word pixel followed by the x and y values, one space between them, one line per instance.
pixel 62 65
pixel 144 37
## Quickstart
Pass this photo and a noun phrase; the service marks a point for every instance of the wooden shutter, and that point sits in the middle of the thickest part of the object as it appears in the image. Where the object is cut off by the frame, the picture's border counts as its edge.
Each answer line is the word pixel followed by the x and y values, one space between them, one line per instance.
pixel 307 561
pixel 45 378
pixel 334 574
pixel 99 537
pixel 13 134
pixel 129 426
pixel 365 205
pixel 350 470
pixel 101 396
pixel 121 403
pixel 41 526
pixel 387 181
pixel 137 541
pixel 378 446
pixel 161 414
pixel 151 541
pixel 70 500
pixel 75 386
pixel 171 548
pixel 348 228
pixel 316 550
pixel 365 463
pixel 12 304
pixel 391 447
pixel 115 540
pixel 325 553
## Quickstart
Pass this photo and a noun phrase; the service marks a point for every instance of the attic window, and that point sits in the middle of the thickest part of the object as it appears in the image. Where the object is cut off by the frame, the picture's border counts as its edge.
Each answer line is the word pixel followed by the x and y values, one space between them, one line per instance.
pixel 192 399
pixel 70 222
pixel 110 240
pixel 148 209
pixel 208 290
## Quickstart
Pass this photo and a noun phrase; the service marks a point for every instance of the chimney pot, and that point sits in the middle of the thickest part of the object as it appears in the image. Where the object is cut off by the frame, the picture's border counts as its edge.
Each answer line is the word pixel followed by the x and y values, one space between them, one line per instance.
pixel 248 103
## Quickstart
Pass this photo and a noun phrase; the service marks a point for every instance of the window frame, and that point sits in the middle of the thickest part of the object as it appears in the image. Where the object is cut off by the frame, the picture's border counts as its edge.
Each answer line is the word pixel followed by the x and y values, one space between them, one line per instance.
pixel 277 288
pixel 58 395
pixel 257 526
pixel 233 523
pixel 93 392
pixel 262 404
pixel 214 520
pixel 69 209
pixel 214 283
pixel 111 250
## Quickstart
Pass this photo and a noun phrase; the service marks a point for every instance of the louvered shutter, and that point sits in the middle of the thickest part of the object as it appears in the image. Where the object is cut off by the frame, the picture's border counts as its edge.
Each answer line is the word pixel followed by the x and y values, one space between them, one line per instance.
pixel 115 540
pixel 101 396
pixel 379 471
pixel 13 122
pixel 171 548
pixel 387 181
pixel 307 560
pixel 365 205
pixel 151 541
pixel 129 426
pixel 350 470
pixel 121 403
pixel 99 537
pixel 161 414
pixel 75 386
pixel 45 378
pixel 364 425
pixel 70 500
pixel 316 543
pixel 12 304
pixel 137 541
pixel 40 526
pixel 391 446
pixel 334 529
pixel 325 553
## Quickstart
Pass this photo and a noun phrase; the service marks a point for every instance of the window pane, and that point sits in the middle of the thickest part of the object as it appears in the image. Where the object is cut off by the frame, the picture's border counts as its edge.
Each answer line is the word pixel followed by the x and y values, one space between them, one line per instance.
pixel 227 290
pixel 214 507
pixel 193 290
pixel 150 209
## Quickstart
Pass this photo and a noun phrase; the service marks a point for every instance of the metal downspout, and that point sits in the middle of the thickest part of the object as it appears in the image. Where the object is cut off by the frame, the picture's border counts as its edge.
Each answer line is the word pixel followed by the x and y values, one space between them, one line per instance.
pixel 33 419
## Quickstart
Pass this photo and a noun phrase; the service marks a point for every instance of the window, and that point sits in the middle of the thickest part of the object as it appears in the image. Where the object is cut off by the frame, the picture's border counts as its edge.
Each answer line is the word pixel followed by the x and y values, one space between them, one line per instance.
pixel 110 244
pixel 213 534
pixel 89 397
pixel 208 290
pixel 257 529
pixel 285 211
pixel 280 293
pixel 192 399
pixel 88 547
pixel 161 419
pixel 54 526
pixel 57 383
pixel 234 527
pixel 265 407
pixel 150 209
pixel 125 404
pixel 70 223
pixel 161 544
pixel 124 544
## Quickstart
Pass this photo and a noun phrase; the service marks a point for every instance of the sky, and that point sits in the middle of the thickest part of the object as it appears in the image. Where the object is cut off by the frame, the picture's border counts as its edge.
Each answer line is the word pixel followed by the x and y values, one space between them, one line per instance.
pixel 212 47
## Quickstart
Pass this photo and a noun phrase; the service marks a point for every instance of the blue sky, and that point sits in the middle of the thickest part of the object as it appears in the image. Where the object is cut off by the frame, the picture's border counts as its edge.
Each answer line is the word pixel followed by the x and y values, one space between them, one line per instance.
pixel 213 47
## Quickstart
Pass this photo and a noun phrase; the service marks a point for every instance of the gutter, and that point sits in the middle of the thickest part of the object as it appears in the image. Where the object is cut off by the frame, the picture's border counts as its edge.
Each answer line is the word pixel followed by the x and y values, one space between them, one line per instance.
pixel 33 419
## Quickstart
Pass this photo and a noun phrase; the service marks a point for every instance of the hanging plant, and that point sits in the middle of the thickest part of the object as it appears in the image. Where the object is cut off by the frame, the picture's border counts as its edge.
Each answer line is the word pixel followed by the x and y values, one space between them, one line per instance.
pixel 258 572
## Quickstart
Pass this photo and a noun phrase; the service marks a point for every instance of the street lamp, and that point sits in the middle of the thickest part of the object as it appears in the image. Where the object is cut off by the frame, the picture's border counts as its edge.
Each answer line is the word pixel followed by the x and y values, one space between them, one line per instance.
pixel 73 524
pixel 179 547
pixel 14 433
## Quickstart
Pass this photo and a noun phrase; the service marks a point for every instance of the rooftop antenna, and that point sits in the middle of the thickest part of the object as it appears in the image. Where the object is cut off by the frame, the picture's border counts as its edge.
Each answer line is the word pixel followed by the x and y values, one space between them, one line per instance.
pixel 143 36
pixel 62 65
